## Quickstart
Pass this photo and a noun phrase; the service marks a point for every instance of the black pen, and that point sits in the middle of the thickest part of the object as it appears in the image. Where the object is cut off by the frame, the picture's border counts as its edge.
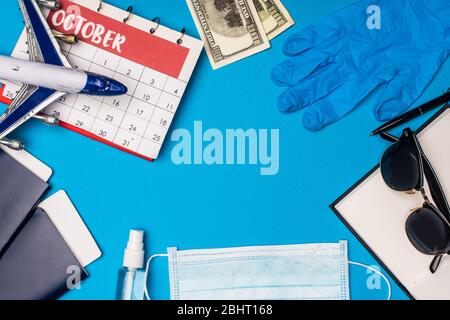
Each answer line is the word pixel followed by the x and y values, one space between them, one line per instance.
pixel 414 113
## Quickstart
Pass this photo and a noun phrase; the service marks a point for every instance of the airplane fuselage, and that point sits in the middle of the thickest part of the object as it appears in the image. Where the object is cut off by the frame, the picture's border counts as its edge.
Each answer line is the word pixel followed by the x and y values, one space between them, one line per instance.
pixel 58 78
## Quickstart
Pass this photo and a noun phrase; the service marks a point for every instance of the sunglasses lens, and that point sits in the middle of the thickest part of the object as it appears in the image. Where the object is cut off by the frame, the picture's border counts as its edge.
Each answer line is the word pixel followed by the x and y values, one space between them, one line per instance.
pixel 428 232
pixel 400 167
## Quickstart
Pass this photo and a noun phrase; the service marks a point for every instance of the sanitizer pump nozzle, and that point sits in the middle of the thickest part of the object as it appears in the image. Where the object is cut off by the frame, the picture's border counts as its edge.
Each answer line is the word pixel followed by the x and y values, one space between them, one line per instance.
pixel 132 261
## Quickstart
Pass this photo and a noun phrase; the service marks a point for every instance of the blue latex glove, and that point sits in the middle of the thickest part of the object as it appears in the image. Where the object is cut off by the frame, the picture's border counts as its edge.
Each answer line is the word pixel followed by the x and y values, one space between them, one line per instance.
pixel 338 62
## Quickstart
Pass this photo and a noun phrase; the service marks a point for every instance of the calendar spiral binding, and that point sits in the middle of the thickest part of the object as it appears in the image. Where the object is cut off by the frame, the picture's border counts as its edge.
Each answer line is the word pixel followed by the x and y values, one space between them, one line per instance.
pixel 100 6
pixel 130 11
pixel 183 33
pixel 156 20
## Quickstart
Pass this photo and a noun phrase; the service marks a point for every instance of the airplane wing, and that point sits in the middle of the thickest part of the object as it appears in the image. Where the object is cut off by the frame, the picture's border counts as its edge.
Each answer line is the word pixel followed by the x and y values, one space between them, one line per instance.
pixel 29 101
pixel 42 45
pixel 44 48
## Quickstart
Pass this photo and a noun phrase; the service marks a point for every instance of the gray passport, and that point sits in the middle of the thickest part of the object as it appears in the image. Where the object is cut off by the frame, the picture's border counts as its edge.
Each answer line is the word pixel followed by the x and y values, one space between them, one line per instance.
pixel 35 261
pixel 20 190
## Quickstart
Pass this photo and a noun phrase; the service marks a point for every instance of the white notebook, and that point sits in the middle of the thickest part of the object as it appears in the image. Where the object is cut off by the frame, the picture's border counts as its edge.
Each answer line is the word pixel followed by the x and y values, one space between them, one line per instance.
pixel 377 215
pixel 155 63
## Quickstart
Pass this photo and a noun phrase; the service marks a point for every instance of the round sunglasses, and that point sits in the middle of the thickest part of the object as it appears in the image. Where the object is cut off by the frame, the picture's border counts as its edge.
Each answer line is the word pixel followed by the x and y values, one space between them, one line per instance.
pixel 404 167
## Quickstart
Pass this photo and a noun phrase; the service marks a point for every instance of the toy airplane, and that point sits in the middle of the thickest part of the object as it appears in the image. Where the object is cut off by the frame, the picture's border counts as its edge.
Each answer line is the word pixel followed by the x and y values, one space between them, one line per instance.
pixel 47 76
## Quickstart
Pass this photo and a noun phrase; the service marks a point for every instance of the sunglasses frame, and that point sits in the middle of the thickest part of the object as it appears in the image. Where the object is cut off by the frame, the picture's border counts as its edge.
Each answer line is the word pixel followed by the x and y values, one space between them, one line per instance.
pixel 442 208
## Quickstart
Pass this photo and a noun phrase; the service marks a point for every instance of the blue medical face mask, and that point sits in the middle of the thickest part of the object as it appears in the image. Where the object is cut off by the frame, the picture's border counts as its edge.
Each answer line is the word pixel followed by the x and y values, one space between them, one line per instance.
pixel 261 273
pixel 301 272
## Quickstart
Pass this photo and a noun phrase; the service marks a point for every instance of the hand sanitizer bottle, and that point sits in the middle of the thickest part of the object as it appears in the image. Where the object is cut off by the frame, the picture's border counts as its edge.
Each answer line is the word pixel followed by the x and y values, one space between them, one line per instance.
pixel 133 260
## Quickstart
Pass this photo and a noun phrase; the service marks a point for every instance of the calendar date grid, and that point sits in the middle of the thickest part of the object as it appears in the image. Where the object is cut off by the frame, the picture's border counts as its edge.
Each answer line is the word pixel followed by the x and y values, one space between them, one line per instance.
pixel 145 113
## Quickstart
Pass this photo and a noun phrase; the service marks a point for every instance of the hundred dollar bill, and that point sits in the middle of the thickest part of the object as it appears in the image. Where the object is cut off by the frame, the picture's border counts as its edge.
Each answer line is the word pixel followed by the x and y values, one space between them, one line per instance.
pixel 230 29
pixel 274 17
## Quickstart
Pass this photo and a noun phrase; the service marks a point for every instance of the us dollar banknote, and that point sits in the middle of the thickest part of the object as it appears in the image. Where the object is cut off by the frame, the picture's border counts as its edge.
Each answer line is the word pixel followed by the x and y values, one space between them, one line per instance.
pixel 230 29
pixel 274 17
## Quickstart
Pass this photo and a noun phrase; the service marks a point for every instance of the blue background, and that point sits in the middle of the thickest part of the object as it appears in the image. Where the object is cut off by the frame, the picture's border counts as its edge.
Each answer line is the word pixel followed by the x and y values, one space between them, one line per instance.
pixel 213 206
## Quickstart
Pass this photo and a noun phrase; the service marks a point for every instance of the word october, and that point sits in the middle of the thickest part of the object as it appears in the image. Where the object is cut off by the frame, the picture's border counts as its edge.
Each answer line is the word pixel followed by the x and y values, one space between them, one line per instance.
pixel 94 32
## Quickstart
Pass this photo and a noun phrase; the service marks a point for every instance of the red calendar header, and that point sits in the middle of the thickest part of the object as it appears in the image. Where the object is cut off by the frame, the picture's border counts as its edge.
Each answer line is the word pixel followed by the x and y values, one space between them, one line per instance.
pixel 119 38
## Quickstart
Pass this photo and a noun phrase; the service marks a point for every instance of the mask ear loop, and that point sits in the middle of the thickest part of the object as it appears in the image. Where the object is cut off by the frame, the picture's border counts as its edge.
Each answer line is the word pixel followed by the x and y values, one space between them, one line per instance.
pixel 147 268
pixel 378 273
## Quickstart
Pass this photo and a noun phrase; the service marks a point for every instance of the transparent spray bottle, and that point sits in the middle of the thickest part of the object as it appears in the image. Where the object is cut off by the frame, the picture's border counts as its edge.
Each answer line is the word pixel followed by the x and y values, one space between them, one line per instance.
pixel 133 260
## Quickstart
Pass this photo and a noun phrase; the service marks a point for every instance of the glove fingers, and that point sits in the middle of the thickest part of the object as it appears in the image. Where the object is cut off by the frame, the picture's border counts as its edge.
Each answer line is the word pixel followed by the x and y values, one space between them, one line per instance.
pixel 395 99
pixel 407 86
pixel 309 38
pixel 311 89
pixel 292 71
pixel 397 96
pixel 337 104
